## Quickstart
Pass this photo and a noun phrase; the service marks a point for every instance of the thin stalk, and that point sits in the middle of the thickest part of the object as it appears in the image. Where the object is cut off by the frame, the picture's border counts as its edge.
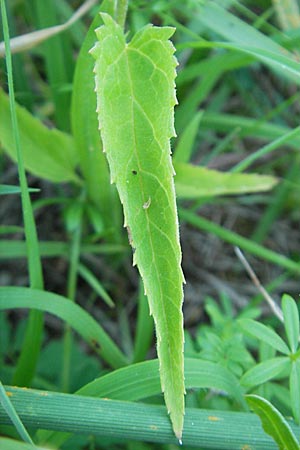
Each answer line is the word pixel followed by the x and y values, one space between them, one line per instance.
pixel 239 241
pixel 33 336
pixel 71 293
pixel 278 201
pixel 240 167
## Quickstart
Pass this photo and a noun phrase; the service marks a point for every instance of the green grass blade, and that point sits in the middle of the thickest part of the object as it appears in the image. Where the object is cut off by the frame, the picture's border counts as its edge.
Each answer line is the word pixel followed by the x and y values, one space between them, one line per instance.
pixel 33 335
pixel 265 150
pixel 291 321
pixel 295 389
pixel 90 278
pixel 50 249
pixel 12 414
pixel 57 52
pixel 10 444
pixel 185 144
pixel 249 127
pixel 239 241
pixel 74 315
pixel 8 189
pixel 139 422
pixel 139 381
pixel 144 328
pixel 136 126
pixel 273 423
pixel 192 182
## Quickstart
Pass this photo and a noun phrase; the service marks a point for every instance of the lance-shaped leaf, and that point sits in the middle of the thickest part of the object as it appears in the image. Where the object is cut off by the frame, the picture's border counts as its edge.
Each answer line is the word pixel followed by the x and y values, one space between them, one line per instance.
pixel 136 97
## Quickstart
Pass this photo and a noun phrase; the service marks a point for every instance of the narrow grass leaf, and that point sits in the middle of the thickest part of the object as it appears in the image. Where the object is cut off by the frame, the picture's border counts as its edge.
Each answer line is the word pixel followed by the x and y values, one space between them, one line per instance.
pixel 265 371
pixel 93 281
pixel 273 423
pixel 74 315
pixel 125 421
pixel 295 389
pixel 140 381
pixel 284 65
pixel 11 444
pixel 49 154
pixel 8 189
pixel 250 127
pixel 239 241
pixel 49 249
pixel 27 360
pixel 136 96
pixel 13 415
pixel 244 37
pixel 282 140
pixel 192 182
pixel 185 145
pixel 265 334
pixel 291 321
pixel 144 328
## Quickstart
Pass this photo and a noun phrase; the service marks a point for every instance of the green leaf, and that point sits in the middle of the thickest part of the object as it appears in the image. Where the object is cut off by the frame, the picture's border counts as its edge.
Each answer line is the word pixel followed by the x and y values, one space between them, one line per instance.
pixel 194 181
pixel 71 313
pixel 13 415
pixel 47 153
pixel 265 371
pixel 273 423
pixel 136 96
pixel 88 143
pixel 125 421
pixel 295 389
pixel 244 37
pixel 264 333
pixel 184 147
pixel 140 381
pixel 291 321
pixel 10 444
pixel 8 189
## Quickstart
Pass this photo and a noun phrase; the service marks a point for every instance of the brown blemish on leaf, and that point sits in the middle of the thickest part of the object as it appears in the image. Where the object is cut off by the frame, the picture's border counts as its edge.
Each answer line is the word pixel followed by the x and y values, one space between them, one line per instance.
pixel 9 394
pixel 153 427
pixel 95 344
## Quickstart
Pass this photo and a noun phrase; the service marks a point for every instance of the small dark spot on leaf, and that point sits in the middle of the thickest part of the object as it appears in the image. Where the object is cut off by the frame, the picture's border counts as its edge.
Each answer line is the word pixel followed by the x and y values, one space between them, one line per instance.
pixel 134 172
pixel 95 344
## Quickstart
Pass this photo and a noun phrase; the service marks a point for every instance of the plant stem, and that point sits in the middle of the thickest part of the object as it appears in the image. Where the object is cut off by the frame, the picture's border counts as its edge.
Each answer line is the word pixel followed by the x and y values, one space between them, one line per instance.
pixel 71 293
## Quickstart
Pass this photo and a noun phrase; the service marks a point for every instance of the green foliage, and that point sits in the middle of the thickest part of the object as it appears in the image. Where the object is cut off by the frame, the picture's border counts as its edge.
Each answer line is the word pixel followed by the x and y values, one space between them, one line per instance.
pixel 237 89
pixel 274 423
pixel 136 126
pixel 278 366
pixel 47 153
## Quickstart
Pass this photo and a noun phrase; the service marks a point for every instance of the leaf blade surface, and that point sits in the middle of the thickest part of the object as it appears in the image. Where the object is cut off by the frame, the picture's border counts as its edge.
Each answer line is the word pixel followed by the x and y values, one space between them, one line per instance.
pixel 135 100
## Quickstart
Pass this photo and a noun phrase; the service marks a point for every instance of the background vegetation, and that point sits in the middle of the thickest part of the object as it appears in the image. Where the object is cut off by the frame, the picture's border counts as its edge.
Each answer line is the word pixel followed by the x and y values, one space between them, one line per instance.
pixel 237 162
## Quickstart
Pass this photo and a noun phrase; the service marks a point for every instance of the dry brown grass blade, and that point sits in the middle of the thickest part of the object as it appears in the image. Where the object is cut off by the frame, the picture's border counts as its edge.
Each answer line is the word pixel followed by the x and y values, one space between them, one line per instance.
pixel 274 307
pixel 30 40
